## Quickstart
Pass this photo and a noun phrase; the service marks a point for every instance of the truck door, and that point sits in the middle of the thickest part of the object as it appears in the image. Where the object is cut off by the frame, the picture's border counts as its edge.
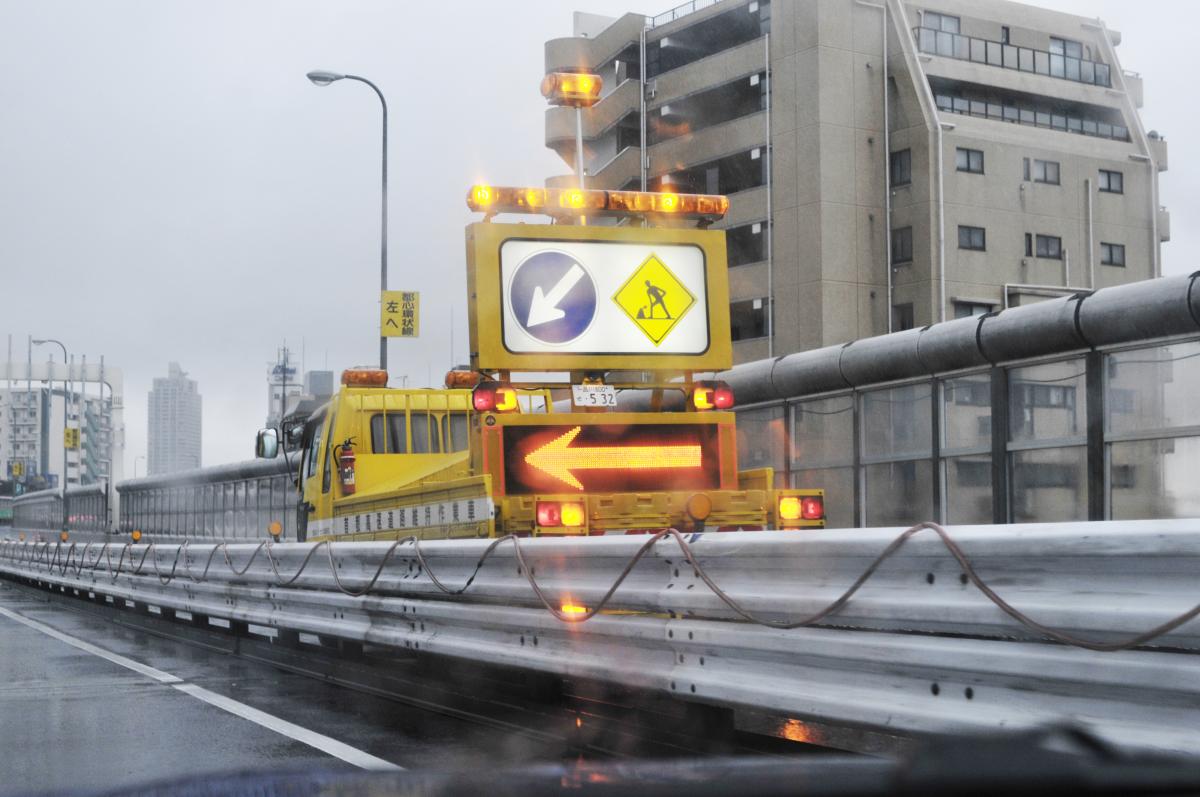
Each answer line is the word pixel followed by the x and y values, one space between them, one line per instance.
pixel 310 486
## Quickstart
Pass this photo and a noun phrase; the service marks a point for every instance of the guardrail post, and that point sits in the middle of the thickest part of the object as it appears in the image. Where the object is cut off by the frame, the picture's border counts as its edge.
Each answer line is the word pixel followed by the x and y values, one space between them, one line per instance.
pixel 287 637
pixel 1000 503
pixel 1094 386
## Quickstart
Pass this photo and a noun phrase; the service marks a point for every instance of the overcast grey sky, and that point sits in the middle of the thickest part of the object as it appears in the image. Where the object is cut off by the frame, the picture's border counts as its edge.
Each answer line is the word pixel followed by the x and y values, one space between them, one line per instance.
pixel 173 188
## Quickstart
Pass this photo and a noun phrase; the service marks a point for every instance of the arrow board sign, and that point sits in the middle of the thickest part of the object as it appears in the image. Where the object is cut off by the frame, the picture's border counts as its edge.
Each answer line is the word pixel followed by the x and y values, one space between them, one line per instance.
pixel 603 298
pixel 598 298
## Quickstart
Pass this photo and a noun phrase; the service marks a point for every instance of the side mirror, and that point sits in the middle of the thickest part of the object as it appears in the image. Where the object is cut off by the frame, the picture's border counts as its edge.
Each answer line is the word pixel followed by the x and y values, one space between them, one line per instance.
pixel 266 445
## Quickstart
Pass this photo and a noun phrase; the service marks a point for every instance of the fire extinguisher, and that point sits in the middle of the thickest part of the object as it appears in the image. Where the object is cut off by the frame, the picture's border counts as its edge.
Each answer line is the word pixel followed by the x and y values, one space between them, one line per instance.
pixel 346 460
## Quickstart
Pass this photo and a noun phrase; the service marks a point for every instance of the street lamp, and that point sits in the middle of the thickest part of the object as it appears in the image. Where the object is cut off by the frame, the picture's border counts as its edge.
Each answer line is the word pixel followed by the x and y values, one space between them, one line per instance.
pixel 66 413
pixel 321 78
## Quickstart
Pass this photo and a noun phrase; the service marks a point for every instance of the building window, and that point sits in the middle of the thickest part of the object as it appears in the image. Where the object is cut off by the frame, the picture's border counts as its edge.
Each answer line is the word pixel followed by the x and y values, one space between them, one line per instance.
pixel 969 309
pixel 748 319
pixel 746 244
pixel 1067 47
pixel 974 238
pixel 1047 246
pixel 1004 34
pixel 902 250
pixel 902 316
pixel 1042 171
pixel 1112 182
pixel 969 160
pixel 901 167
pixel 942 22
pixel 1112 254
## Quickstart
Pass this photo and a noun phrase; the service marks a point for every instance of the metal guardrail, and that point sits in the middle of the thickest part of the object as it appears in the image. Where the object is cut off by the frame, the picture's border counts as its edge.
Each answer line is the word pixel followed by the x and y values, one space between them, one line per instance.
pixel 916 650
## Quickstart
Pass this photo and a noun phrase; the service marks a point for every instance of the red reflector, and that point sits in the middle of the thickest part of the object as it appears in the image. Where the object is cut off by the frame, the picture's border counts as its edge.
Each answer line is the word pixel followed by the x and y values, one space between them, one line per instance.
pixel 723 396
pixel 549 513
pixel 812 508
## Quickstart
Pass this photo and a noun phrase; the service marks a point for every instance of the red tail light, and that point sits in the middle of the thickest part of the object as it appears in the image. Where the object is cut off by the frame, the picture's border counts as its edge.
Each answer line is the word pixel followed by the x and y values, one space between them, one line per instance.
pixel 549 513
pixel 555 513
pixel 494 397
pixel 712 396
pixel 812 508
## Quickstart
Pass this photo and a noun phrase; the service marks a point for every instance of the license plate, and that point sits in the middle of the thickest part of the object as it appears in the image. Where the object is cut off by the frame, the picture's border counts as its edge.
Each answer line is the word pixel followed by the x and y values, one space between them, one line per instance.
pixel 594 395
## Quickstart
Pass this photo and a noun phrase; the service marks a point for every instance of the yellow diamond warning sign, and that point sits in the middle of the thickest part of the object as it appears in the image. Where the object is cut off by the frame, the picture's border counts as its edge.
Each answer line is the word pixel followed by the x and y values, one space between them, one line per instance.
pixel 654 299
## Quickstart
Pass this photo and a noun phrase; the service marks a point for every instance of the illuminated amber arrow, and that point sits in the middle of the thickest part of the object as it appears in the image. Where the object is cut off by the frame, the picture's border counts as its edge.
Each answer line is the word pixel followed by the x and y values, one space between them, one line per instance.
pixel 558 459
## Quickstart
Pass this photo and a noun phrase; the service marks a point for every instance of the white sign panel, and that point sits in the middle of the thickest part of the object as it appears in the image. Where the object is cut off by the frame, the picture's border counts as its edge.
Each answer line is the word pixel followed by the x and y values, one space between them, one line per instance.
pixel 603 298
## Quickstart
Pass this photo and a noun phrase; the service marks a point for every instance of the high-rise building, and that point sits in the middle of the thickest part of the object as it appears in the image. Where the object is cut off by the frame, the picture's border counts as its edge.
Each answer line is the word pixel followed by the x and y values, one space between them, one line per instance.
pixel 889 164
pixel 174 416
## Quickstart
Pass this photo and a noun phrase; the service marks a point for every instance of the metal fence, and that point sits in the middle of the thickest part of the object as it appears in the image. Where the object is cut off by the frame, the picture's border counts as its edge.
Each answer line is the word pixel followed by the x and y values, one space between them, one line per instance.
pixel 236 501
pixel 87 509
pixel 1080 408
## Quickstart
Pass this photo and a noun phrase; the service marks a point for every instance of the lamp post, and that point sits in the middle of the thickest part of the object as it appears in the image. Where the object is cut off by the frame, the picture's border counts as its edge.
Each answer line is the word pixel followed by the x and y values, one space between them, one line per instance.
pixel 66 414
pixel 320 78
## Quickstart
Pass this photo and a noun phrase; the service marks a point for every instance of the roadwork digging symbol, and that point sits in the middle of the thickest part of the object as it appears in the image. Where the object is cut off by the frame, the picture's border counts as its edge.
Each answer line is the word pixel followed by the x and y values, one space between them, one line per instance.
pixel 654 299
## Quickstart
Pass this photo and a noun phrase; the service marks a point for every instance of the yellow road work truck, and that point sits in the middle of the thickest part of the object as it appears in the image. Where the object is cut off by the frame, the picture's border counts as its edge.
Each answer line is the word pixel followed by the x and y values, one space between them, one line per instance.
pixel 592 312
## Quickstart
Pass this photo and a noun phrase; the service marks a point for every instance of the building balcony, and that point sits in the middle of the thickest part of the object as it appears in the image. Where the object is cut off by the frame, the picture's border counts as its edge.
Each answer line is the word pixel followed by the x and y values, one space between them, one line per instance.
pixel 1008 56
pixel 614 175
pixel 575 53
pixel 711 143
pixel 1164 224
pixel 721 67
pixel 597 120
pixel 1158 150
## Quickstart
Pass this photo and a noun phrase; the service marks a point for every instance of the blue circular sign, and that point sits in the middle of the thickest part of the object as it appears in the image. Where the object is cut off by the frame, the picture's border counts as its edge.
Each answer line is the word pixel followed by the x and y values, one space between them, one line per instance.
pixel 552 297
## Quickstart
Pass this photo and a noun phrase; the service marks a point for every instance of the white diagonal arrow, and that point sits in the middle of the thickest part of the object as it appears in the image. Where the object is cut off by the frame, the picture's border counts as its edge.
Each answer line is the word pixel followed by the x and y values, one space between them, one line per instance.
pixel 544 307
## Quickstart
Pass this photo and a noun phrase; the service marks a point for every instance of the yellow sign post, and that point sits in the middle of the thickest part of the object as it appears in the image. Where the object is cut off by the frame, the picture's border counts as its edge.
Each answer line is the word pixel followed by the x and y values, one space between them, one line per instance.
pixel 400 314
pixel 71 438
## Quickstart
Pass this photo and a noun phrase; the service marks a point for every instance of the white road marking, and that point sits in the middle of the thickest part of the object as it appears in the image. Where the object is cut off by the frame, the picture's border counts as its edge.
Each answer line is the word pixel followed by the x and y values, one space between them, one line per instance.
pixel 325 744
pixel 87 647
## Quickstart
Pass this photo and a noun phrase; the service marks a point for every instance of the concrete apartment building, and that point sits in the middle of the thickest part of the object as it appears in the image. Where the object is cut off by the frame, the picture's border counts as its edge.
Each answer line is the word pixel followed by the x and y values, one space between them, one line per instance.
pixel 31 423
pixel 889 164
pixel 174 423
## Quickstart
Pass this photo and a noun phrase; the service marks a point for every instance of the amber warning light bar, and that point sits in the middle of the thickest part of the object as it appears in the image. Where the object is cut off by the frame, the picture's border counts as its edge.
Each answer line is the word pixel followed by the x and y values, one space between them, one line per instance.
pixel 566 202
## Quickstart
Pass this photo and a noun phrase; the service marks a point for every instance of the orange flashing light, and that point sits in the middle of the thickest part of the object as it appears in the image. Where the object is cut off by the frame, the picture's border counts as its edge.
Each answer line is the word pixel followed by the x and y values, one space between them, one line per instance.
pixel 789 508
pixel 275 528
pixel 573 89
pixel 560 202
pixel 462 379
pixel 573 608
pixel 136 535
pixel 364 377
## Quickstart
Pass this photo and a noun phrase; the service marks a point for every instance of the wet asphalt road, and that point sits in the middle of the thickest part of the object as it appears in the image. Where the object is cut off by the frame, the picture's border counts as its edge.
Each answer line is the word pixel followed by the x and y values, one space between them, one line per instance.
pixel 71 719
